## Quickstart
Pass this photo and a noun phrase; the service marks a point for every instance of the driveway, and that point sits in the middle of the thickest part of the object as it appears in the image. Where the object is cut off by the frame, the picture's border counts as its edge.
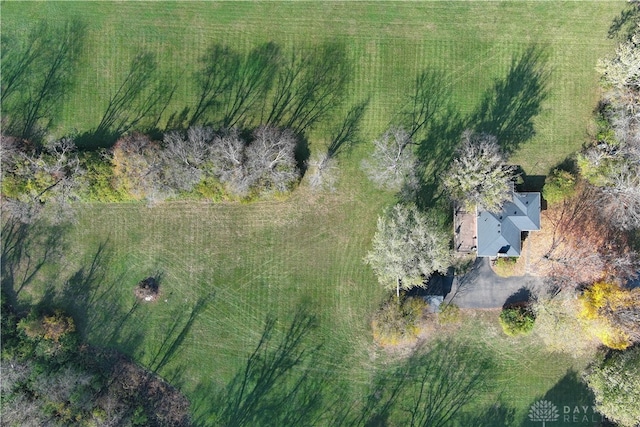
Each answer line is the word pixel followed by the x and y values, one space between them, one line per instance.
pixel 482 288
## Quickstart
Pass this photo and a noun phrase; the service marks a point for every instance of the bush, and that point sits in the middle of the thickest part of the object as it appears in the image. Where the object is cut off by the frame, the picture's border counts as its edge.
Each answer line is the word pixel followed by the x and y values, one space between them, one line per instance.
pixel 449 313
pixel 558 186
pixel 517 320
pixel 398 322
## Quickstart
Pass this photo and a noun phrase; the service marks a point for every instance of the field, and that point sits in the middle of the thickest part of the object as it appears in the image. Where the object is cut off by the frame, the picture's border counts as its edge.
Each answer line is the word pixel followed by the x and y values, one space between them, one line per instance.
pixel 226 266
pixel 473 43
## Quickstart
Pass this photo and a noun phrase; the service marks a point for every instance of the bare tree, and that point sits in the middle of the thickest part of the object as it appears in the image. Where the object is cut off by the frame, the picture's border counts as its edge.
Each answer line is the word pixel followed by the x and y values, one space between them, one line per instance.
pixel 228 158
pixel 270 160
pixel 407 248
pixel 182 159
pixel 393 162
pixel 479 175
pixel 48 179
pixel 322 172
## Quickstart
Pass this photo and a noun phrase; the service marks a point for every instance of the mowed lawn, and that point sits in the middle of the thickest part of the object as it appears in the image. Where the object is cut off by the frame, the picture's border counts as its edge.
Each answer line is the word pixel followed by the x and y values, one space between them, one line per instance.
pixel 268 257
pixel 472 42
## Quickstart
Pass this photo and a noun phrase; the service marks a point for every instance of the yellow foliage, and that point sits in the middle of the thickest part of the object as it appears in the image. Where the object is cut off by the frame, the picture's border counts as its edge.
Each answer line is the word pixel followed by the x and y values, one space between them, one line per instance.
pixel 603 297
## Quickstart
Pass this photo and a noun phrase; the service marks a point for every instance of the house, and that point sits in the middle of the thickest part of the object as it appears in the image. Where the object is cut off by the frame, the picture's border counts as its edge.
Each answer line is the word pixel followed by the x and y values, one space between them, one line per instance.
pixel 498 234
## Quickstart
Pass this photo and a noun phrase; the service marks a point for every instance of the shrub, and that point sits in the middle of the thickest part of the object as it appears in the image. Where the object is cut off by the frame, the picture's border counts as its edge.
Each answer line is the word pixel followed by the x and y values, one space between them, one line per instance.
pixel 517 320
pixel 558 186
pixel 449 313
pixel 398 322
pixel 505 266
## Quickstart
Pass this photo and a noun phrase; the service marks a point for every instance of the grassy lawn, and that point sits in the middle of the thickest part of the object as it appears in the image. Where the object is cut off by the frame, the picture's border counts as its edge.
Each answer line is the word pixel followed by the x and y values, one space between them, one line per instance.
pixel 228 265
pixel 472 42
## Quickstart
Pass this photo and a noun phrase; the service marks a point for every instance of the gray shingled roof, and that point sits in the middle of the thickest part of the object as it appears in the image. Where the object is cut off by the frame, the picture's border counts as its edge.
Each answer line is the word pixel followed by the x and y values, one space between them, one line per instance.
pixel 499 234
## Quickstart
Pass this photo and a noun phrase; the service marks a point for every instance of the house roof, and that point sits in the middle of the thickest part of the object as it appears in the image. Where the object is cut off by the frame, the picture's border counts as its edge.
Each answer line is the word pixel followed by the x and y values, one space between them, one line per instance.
pixel 499 233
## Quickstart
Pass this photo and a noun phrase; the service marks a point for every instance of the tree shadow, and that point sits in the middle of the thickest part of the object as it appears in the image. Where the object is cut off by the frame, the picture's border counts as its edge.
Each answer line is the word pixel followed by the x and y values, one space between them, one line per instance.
pixel 176 333
pixel 310 85
pixel 26 249
pixel 521 296
pixel 625 24
pixel 431 96
pixel 280 383
pixel 347 134
pixel 139 102
pixel 429 388
pixel 436 152
pixel 37 74
pixel 496 415
pixel 573 401
pixel 507 109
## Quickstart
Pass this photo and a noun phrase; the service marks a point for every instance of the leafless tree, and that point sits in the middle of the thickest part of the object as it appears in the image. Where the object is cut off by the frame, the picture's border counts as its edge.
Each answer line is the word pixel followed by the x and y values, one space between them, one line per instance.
pixel 270 160
pixel 322 172
pixel 393 162
pixel 479 175
pixel 182 159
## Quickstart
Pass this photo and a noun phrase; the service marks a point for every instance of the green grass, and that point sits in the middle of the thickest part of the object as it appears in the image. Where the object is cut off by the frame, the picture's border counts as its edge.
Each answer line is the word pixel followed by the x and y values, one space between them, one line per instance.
pixel 473 43
pixel 268 257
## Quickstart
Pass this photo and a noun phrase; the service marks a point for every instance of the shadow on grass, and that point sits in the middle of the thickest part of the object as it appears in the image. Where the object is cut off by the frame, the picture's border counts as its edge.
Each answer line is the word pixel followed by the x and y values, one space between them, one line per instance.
pixel 507 109
pixel 573 401
pixel 38 72
pixel 176 333
pixel 429 388
pixel 26 249
pixel 280 384
pixel 138 103
pixel 496 415
pixel 625 24
pixel 435 153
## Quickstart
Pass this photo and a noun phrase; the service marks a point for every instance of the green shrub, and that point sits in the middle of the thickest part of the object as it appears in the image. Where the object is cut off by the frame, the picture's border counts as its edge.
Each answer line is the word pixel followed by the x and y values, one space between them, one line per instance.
pixel 517 320
pixel 558 186
pixel 98 180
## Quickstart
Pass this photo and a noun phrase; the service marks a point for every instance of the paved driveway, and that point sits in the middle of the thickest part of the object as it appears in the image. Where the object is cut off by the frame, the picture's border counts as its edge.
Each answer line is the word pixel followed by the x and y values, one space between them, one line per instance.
pixel 482 288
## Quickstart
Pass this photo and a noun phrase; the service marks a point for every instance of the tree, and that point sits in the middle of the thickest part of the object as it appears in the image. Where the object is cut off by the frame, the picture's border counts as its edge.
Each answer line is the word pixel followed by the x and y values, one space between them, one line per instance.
pixel 41 180
pixel 558 186
pixel 136 168
pixel 517 320
pixel 558 326
pixel 613 313
pixel 478 175
pixel 407 248
pixel 615 382
pixel 393 162
pixel 612 162
pixel 183 159
pixel 270 160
